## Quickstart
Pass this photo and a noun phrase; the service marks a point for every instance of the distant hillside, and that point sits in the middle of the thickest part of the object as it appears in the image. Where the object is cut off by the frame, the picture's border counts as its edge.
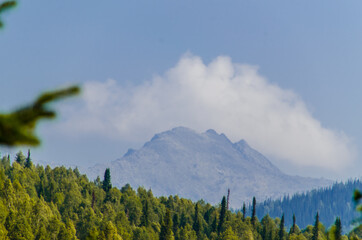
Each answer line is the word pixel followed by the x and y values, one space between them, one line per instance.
pixel 203 166
pixel 330 202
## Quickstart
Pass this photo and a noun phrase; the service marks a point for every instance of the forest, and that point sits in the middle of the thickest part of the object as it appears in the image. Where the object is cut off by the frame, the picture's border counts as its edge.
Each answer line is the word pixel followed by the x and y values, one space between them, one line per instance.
pixel 330 202
pixel 39 202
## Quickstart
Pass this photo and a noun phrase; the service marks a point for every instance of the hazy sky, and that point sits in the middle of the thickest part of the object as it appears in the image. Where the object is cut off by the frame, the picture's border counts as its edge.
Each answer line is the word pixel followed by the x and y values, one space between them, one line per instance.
pixel 283 75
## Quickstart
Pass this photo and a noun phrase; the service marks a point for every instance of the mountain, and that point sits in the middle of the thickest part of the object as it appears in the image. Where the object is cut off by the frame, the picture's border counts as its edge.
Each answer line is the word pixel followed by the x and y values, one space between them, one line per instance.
pixel 203 166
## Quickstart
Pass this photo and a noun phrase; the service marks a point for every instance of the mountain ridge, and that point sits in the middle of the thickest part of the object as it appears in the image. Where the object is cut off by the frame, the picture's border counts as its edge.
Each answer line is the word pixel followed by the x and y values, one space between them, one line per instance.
pixel 203 166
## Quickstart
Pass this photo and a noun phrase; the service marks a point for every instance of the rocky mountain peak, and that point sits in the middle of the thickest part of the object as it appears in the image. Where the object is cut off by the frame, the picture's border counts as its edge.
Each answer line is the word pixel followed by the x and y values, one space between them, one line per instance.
pixel 203 165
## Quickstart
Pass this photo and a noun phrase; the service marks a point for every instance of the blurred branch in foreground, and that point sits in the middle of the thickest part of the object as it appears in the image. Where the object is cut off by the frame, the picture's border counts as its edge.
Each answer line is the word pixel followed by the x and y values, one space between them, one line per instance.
pixel 17 128
pixel 4 7
pixel 357 196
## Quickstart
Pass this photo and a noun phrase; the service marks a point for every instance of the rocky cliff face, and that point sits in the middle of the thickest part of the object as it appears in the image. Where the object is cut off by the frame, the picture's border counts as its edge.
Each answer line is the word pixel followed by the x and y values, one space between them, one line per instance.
pixel 203 166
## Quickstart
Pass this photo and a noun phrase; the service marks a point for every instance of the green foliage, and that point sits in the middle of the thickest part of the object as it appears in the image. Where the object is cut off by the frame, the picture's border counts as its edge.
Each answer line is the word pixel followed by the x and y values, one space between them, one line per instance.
pixel 197 225
pixel 166 228
pixel 269 228
pixel 17 128
pixel 20 158
pixel 229 234
pixel 316 227
pixel 28 163
pixel 357 197
pixel 281 229
pixel 220 226
pixel 253 212
pixel 244 211
pixel 107 185
pixel 294 229
pixel 61 203
pixel 4 7
pixel 356 233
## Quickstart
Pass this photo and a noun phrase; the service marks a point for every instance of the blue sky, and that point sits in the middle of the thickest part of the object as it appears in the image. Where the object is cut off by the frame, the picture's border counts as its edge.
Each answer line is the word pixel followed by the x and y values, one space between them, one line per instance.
pixel 309 49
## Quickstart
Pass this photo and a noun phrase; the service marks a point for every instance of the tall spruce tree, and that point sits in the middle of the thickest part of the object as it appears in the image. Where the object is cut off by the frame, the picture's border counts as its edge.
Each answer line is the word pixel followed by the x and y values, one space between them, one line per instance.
pixel 197 222
pixel 253 214
pixel 293 227
pixel 244 211
pixel 107 185
pixel 175 226
pixel 28 162
pixel 281 229
pixel 145 218
pixel 316 227
pixel 213 227
pixel 338 229
pixel 166 227
pixel 220 227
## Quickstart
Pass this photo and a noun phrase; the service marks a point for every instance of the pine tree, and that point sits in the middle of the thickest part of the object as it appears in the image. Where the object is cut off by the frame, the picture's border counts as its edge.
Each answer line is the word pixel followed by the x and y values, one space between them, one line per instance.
pixel 338 229
pixel 253 214
pixel 197 222
pixel 244 211
pixel 214 225
pixel 20 158
pixel 222 215
pixel 107 185
pixel 28 163
pixel 145 219
pixel 166 228
pixel 292 229
pixel 175 227
pixel 316 227
pixel 281 228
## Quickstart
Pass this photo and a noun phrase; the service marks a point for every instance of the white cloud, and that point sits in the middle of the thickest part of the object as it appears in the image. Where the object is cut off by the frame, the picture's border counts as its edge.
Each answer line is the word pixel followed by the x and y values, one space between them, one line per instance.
pixel 230 98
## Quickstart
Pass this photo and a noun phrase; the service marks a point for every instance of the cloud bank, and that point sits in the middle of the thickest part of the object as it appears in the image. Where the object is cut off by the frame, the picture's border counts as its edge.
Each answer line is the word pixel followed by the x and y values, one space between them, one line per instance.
pixel 230 98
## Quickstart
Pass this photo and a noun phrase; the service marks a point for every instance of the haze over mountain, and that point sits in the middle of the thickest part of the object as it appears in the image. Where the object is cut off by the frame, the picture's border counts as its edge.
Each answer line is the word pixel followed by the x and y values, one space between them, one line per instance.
pixel 203 166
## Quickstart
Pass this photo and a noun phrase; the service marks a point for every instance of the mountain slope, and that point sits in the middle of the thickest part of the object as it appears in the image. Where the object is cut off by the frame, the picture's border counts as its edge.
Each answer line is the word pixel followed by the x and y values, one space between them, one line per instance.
pixel 331 202
pixel 193 165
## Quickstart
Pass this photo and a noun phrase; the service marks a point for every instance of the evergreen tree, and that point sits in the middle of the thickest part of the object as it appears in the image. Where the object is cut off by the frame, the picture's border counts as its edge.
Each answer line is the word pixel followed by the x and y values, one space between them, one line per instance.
pixel 228 234
pixel 20 158
pixel 222 215
pixel 292 229
pixel 166 228
pixel 338 229
pixel 253 214
pixel 316 227
pixel 281 229
pixel 107 185
pixel 28 163
pixel 175 226
pixel 214 225
pixel 197 222
pixel 5 162
pixel 145 220
pixel 244 211
pixel 269 228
